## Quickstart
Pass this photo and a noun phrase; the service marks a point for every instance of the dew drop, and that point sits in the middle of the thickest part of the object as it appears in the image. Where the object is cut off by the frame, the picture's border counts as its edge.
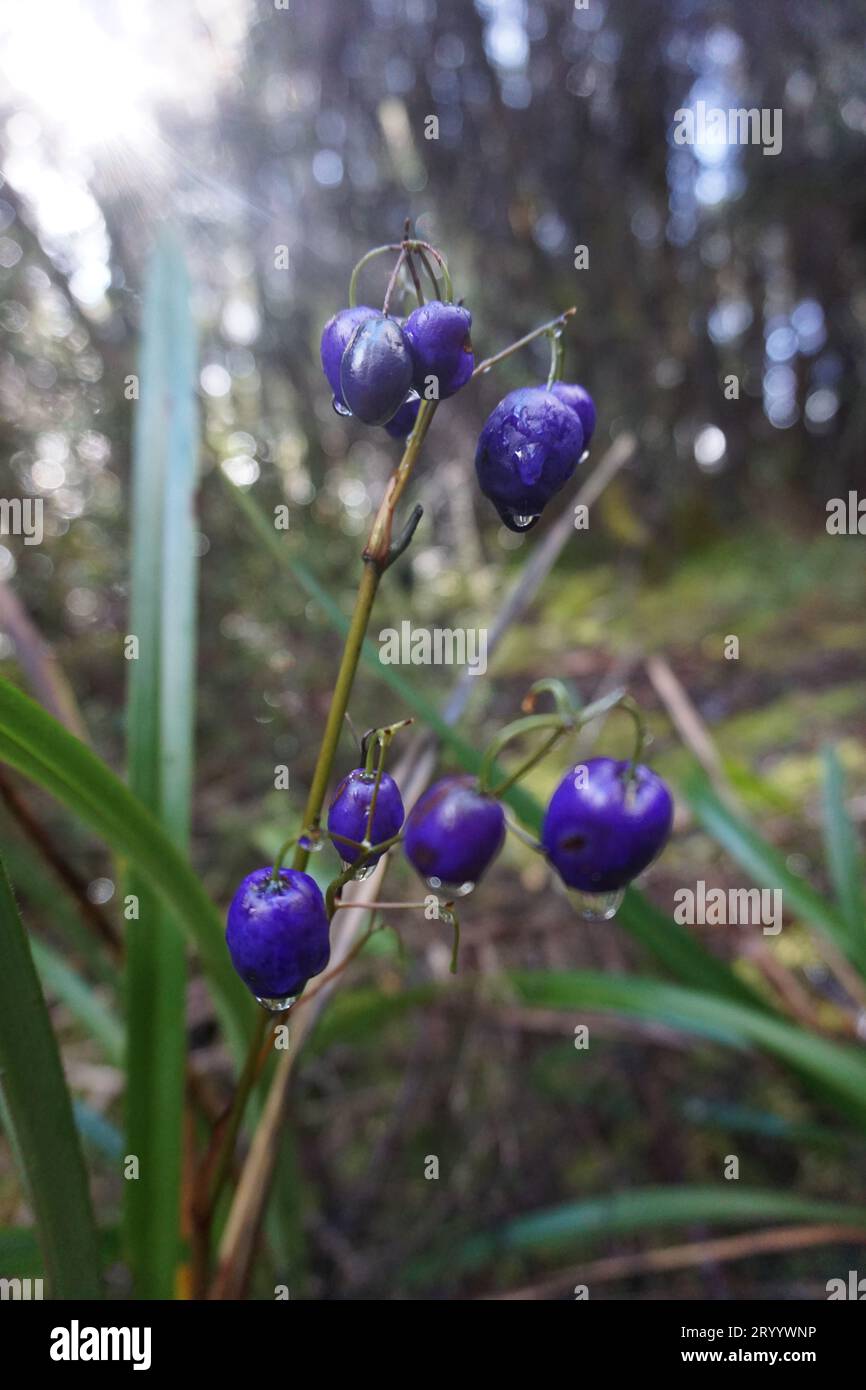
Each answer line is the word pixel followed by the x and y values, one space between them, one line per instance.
pixel 340 408
pixel 599 907
pixel 584 456
pixel 312 844
pixel 451 890
pixel 515 521
pixel 277 1006
pixel 366 871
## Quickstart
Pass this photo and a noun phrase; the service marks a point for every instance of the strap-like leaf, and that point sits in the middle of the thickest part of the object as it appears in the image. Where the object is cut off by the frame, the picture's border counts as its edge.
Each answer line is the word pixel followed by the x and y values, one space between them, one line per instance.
pixel 39 1108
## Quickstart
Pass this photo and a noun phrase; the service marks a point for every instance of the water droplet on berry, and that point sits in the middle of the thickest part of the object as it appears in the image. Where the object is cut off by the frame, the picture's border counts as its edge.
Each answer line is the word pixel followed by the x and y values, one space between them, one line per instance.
pixel 277 1006
pixel 451 890
pixel 516 521
pixel 311 843
pixel 340 408
pixel 599 907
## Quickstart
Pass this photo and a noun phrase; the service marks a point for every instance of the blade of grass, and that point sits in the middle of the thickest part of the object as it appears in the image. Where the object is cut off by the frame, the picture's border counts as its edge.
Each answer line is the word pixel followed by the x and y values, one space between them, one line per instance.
pixel 843 855
pixel 558 1229
pixel 40 1111
pixel 159 734
pixel 80 999
pixel 767 867
pixel 42 750
pixel 838 1069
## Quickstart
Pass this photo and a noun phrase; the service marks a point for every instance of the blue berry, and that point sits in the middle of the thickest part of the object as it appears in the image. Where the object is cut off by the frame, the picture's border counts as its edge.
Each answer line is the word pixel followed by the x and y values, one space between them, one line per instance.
pixel 335 339
pixel 528 449
pixel 453 832
pixel 602 827
pixel 350 809
pixel 376 370
pixel 578 399
pixel 402 424
pixel 439 341
pixel 277 932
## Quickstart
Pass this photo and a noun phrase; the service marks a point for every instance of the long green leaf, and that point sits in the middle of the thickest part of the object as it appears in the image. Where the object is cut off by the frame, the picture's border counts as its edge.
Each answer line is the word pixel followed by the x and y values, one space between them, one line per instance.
pixel 556 1230
pixel 159 736
pixel 81 999
pixel 40 748
pixel 40 1110
pixel 767 867
pixel 843 856
pixel 675 948
pixel 837 1068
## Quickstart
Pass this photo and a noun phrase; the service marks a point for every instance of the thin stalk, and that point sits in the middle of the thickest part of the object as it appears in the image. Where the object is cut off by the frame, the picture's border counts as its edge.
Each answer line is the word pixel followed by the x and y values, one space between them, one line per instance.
pixel 377 557
pixel 398 266
pixel 531 762
pixel 524 341
pixel 353 282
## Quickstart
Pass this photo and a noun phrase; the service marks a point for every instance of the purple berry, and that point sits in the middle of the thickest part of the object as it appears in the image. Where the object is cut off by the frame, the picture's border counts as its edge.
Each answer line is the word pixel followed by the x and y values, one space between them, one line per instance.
pixel 403 423
pixel 376 370
pixel 277 932
pixel 351 806
pixel 439 341
pixel 335 339
pixel 602 827
pixel 578 399
pixel 453 832
pixel 528 449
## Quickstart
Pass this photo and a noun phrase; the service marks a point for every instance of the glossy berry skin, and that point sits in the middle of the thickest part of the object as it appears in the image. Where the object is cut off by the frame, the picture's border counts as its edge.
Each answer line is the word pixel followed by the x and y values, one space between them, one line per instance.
pixel 439 341
pixel 601 835
pixel 277 933
pixel 376 370
pixel 528 449
pixel 578 399
pixel 403 423
pixel 351 806
pixel 453 832
pixel 335 339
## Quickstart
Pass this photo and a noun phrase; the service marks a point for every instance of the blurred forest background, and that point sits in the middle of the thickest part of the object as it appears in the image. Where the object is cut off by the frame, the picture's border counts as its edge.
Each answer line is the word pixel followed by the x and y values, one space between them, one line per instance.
pixel 253 128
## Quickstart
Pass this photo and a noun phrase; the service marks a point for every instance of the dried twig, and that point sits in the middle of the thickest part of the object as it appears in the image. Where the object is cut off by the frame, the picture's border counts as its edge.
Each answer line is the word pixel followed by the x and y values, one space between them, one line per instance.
pixel 724 1249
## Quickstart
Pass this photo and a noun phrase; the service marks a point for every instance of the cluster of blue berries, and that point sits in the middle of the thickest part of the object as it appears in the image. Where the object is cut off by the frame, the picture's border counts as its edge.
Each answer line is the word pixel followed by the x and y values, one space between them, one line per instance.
pixel 606 820
pixel 380 367
pixel 605 823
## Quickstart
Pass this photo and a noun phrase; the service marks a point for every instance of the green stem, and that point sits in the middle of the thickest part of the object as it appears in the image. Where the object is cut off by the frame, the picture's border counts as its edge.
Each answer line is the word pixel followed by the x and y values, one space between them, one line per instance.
pixel 353 282
pixel 339 703
pixel 281 854
pixel 369 851
pixel 423 246
pixel 557 355
pixel 524 342
pixel 517 729
pixel 531 762
pixel 377 556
